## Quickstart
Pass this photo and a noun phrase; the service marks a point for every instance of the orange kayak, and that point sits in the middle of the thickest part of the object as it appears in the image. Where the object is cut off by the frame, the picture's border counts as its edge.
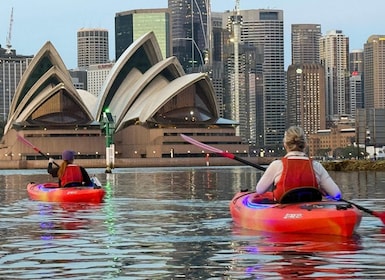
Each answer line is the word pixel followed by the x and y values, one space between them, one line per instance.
pixel 250 210
pixel 50 192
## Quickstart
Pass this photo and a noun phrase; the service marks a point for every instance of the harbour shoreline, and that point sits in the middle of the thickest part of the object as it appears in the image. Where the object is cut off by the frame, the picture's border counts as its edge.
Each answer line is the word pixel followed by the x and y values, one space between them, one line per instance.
pixel 138 162
pixel 339 165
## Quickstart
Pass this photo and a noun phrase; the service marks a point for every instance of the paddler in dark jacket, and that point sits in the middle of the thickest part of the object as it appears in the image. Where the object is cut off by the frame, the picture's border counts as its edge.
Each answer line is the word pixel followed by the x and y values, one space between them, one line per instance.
pixel 69 174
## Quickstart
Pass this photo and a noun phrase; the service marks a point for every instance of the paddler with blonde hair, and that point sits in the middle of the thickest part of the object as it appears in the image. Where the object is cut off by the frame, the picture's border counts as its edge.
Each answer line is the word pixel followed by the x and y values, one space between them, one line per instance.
pixel 296 173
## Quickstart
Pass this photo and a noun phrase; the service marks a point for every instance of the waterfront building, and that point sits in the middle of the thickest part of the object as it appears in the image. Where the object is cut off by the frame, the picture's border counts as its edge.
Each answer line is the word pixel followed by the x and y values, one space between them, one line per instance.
pixel 144 105
pixel 370 127
pixel 92 44
pixel 326 142
pixel 374 72
pixel 12 67
pixel 131 25
pixel 334 55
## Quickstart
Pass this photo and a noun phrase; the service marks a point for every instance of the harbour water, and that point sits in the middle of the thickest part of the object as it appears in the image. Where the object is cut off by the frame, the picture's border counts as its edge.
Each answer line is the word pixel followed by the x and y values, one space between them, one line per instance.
pixel 174 223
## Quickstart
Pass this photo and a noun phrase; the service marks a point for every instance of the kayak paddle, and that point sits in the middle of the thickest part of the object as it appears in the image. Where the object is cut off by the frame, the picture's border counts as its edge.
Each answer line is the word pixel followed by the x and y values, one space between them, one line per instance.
pixel 220 152
pixel 95 181
pixel 25 141
pixel 380 215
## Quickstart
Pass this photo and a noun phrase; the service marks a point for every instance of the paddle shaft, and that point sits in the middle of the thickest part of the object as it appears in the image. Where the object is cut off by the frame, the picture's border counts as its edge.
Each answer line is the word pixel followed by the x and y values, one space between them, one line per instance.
pixel 359 207
pixel 220 152
pixel 232 156
pixel 380 215
pixel 25 141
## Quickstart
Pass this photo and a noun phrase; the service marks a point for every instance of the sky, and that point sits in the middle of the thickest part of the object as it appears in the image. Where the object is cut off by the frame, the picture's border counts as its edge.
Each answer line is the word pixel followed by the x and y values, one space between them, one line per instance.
pixel 39 21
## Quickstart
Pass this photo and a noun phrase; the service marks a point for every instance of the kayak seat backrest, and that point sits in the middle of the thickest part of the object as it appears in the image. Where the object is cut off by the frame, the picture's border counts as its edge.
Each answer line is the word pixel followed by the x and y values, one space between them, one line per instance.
pixel 73 184
pixel 302 194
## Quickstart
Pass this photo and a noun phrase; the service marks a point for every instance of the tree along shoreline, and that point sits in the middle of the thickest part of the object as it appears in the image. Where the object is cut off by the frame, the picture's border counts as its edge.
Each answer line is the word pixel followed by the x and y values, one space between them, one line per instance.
pixel 355 165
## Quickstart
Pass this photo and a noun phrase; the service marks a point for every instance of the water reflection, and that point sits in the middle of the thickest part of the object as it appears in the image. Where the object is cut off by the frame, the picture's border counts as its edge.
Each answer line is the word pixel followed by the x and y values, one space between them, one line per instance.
pixel 288 242
pixel 363 184
pixel 174 223
pixel 60 220
pixel 290 256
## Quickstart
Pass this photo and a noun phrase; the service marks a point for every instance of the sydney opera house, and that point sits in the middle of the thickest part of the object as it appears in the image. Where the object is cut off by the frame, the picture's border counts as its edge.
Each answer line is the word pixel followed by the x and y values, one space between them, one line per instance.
pixel 144 105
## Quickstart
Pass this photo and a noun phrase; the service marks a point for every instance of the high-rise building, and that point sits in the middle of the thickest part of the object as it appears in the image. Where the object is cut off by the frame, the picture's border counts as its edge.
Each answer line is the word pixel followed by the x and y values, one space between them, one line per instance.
pixel 356 61
pixel 334 55
pixel 305 43
pixel 130 25
pixel 12 67
pixel 79 78
pixel 219 36
pixel 374 72
pixel 356 81
pixel 96 76
pixel 92 46
pixel 306 79
pixel 356 94
pixel 248 80
pixel 190 36
pixel 370 127
pixel 263 30
pixel 306 96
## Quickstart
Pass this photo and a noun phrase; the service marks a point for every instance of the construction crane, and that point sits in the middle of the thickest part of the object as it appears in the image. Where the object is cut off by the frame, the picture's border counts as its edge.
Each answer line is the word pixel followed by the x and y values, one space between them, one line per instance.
pixel 8 44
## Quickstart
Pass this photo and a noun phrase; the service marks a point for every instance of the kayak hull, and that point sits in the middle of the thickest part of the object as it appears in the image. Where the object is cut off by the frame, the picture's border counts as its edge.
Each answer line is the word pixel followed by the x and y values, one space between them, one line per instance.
pixel 323 217
pixel 50 192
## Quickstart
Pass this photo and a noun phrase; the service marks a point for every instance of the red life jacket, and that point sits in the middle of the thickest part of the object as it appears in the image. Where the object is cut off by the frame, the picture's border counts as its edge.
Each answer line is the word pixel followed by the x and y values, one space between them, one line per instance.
pixel 297 173
pixel 72 176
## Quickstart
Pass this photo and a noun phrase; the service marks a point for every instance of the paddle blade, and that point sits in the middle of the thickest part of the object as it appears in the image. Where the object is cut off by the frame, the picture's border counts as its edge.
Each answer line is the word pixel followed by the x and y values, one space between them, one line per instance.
pixel 380 215
pixel 220 152
pixel 96 181
pixel 204 146
pixel 25 141
pixel 36 149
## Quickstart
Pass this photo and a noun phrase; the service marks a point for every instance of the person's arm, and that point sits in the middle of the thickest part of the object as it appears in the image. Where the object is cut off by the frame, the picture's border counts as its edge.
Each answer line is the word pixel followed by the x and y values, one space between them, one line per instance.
pixel 86 178
pixel 52 170
pixel 267 180
pixel 326 182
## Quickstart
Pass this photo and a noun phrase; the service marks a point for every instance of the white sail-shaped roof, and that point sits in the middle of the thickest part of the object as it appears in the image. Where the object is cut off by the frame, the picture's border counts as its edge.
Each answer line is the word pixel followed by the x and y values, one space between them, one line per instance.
pixel 141 87
pixel 135 91
pixel 45 78
pixel 152 99
pixel 139 56
pixel 153 78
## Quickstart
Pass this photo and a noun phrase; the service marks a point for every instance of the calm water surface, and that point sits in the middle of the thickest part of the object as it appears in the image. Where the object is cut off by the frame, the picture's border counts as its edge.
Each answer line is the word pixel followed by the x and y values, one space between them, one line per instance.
pixel 174 223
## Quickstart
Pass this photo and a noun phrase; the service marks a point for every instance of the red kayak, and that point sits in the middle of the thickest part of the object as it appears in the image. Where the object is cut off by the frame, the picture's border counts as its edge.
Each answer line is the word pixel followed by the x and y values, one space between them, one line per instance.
pixel 253 211
pixel 51 192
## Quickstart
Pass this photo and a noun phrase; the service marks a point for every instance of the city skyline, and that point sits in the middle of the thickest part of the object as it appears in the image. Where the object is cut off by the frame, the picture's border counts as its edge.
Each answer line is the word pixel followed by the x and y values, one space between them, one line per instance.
pixel 64 19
